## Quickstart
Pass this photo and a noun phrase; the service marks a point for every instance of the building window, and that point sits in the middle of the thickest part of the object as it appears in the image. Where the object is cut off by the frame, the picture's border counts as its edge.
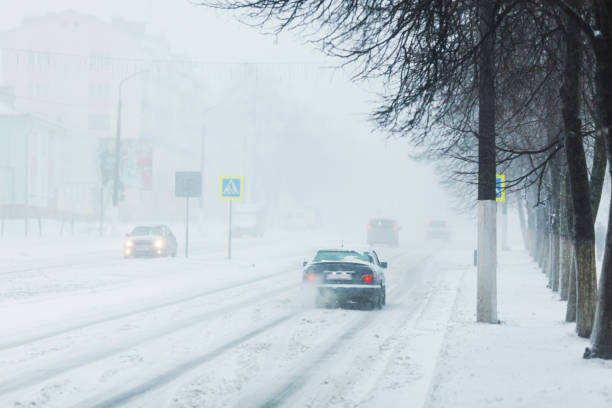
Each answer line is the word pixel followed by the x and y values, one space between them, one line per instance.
pixel 39 89
pixel 99 121
pixel 99 91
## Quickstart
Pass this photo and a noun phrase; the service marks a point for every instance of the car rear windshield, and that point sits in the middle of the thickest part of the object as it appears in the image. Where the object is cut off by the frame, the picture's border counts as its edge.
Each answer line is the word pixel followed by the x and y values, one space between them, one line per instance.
pixel 329 267
pixel 346 256
pixel 437 224
pixel 382 223
pixel 146 231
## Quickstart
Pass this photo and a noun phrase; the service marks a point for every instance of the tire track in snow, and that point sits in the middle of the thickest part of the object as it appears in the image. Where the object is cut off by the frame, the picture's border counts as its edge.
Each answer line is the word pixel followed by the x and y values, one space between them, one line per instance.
pixel 144 309
pixel 179 370
pixel 40 376
pixel 298 380
pixel 387 346
pixel 171 375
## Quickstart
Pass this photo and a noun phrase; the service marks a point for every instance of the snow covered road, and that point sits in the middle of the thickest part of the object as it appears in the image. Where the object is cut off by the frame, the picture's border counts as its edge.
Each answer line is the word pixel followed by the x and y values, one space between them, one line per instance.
pixel 207 332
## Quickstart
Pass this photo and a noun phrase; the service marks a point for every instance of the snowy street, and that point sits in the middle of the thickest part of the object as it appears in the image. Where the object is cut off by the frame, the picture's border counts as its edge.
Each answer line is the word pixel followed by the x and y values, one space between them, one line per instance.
pixel 170 332
pixel 305 204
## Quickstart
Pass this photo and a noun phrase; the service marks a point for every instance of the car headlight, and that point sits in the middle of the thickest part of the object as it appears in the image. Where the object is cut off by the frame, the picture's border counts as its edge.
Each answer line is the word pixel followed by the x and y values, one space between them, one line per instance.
pixel 129 243
pixel 158 243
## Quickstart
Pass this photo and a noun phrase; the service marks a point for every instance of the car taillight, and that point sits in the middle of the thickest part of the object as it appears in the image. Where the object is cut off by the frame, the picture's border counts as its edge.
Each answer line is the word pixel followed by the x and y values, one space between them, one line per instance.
pixel 428 222
pixel 309 277
pixel 446 224
pixel 395 228
pixel 367 278
pixel 369 227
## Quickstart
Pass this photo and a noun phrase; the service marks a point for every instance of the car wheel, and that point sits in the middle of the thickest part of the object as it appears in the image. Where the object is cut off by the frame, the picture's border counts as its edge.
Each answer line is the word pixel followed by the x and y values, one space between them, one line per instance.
pixel 379 300
pixel 368 304
pixel 320 302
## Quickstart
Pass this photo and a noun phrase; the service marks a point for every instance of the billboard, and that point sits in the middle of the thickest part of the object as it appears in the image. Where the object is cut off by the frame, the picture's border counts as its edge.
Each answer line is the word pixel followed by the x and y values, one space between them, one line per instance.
pixel 135 165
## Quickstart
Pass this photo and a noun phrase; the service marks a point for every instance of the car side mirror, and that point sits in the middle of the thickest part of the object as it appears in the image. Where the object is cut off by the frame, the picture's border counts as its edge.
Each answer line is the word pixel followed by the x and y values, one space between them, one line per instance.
pixel 304 263
pixel 127 235
pixel 384 265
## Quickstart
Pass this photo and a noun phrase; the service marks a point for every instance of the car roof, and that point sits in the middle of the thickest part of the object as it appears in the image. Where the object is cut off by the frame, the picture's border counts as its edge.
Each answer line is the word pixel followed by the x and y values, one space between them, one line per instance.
pixel 151 226
pixel 351 249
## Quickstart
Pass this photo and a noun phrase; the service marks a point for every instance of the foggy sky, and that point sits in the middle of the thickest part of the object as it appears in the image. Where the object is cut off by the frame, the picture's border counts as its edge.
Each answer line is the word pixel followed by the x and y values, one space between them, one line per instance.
pixel 327 144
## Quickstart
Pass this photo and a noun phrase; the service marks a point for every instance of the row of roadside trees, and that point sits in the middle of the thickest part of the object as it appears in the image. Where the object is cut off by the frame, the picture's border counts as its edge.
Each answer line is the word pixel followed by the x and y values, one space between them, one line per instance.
pixel 520 87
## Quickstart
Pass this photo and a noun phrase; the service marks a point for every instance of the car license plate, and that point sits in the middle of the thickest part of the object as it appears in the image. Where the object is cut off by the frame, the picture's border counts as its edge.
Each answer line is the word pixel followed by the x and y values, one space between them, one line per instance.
pixel 338 276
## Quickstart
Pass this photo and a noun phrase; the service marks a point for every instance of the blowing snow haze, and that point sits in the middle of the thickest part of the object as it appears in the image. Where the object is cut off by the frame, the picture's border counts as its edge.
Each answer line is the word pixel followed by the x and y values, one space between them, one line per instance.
pixel 197 212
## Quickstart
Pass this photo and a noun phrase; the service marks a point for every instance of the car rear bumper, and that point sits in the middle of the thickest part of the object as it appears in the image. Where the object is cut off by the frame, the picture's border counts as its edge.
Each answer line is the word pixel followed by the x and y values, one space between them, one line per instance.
pixel 348 292
pixel 347 286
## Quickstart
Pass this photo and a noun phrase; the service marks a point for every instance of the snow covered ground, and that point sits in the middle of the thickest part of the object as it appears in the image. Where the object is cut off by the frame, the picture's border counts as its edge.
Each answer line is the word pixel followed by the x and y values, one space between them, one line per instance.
pixel 90 329
pixel 532 359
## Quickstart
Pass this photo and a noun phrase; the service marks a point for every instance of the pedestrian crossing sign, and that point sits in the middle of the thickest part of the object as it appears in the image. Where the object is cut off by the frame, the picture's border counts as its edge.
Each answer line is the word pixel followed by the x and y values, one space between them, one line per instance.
pixel 500 187
pixel 231 188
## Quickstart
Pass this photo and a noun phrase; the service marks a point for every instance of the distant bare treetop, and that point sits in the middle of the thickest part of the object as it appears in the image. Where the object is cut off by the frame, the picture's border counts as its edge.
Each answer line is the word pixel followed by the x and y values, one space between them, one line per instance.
pixel 423 50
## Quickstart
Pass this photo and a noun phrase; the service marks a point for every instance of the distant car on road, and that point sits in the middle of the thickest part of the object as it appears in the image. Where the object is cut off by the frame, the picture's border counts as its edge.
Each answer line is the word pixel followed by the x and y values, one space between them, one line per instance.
pixel 383 231
pixel 344 277
pixel 438 229
pixel 150 241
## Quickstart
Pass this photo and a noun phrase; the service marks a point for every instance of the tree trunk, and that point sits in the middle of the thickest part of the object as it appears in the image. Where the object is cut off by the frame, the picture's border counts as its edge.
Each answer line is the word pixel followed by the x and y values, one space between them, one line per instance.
pixel 598 173
pixel 504 226
pixel 549 259
pixel 523 224
pixel 487 206
pixel 555 255
pixel 542 239
pixel 567 233
pixel 601 340
pixel 570 313
pixel 564 268
pixel 584 244
pixel 531 227
pixel 601 346
pixel 554 225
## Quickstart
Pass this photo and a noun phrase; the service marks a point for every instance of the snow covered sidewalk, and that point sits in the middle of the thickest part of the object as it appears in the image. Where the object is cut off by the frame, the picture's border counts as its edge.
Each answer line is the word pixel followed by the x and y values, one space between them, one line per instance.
pixel 532 359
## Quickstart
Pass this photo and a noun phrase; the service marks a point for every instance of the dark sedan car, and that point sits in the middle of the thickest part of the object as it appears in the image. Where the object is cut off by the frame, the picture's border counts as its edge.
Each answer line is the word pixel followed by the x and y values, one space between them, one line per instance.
pixel 150 241
pixel 344 277
pixel 382 231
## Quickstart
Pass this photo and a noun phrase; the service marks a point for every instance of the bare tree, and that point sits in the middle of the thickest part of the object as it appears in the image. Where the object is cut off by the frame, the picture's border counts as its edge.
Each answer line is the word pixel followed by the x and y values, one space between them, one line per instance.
pixel 444 64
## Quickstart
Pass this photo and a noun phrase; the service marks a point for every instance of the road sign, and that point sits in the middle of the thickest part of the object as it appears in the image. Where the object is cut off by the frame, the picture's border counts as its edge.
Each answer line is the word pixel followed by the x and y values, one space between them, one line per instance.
pixel 188 184
pixel 500 187
pixel 231 188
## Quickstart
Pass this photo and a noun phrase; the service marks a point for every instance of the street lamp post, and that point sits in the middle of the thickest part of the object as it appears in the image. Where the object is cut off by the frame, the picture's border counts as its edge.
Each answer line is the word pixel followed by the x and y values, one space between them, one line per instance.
pixel 117 152
pixel 118 141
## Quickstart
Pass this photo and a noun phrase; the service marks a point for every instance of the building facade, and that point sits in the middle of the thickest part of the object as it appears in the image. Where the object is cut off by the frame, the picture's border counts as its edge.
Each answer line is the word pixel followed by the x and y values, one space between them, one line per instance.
pixel 71 69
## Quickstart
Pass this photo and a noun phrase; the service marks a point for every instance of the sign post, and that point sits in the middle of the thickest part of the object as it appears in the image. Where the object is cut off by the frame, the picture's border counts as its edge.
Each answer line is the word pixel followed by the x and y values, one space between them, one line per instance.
pixel 230 188
pixel 187 184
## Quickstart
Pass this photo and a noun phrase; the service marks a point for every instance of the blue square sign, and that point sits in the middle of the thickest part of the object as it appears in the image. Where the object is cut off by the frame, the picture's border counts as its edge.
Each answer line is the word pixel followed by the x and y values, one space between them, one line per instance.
pixel 231 188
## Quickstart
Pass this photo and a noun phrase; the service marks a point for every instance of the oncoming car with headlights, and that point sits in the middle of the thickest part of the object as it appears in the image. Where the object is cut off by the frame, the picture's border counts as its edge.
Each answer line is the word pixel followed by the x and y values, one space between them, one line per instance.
pixel 150 241
pixel 344 277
